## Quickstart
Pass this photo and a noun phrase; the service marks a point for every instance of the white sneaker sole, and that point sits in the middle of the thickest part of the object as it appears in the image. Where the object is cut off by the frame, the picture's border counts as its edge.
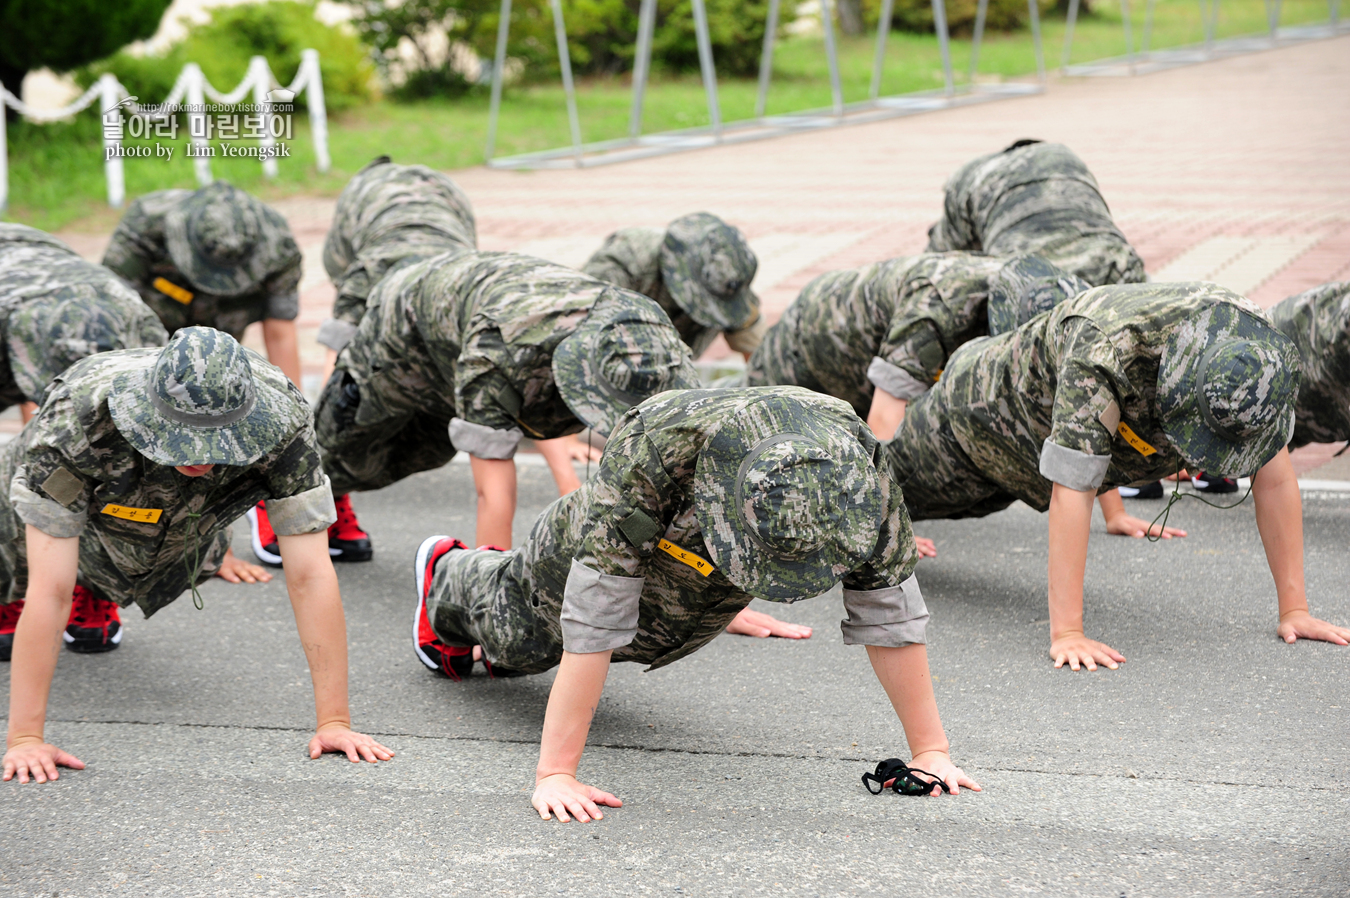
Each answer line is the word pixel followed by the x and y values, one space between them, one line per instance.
pixel 420 579
pixel 263 555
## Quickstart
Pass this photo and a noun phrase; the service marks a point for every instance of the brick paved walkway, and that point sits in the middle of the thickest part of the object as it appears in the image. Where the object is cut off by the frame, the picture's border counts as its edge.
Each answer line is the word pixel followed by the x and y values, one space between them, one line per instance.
pixel 1234 171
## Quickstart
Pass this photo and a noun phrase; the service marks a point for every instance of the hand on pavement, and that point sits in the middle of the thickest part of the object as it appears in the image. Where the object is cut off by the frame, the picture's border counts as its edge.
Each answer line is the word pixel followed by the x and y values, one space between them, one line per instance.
pixel 561 795
pixel 1077 649
pixel 759 624
pixel 341 740
pixel 927 548
pixel 939 763
pixel 1300 623
pixel 236 570
pixel 38 760
pixel 1128 525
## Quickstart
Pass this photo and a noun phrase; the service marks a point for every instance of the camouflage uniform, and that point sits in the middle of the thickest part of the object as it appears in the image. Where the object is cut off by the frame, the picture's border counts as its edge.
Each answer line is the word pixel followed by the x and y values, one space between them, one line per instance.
pixel 698 270
pixel 1099 393
pixel 889 325
pixel 597 572
pixel 1035 199
pixel 98 463
pixel 1318 321
pixel 460 351
pixel 388 214
pixel 55 309
pixel 216 257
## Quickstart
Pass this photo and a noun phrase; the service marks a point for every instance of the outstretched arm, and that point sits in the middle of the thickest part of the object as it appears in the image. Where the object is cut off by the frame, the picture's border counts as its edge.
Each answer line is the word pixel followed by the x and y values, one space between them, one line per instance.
pixel 313 588
pixel 283 347
pixel 52 565
pixel 571 706
pixel 885 414
pixel 903 673
pixel 495 481
pixel 1070 520
pixel 1279 517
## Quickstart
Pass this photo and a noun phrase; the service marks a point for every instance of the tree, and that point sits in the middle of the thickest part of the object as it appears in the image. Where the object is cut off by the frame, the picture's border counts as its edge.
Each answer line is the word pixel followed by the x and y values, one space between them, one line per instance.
pixel 65 34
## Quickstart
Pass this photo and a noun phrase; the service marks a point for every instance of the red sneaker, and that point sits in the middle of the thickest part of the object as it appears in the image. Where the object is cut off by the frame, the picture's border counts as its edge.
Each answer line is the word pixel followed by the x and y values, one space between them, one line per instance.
pixel 455 662
pixel 94 626
pixel 265 544
pixel 9 622
pixel 346 540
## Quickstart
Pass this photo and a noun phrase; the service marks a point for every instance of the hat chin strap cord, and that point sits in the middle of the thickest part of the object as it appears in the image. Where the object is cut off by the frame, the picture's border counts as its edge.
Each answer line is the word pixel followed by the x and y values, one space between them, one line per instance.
pixel 1178 495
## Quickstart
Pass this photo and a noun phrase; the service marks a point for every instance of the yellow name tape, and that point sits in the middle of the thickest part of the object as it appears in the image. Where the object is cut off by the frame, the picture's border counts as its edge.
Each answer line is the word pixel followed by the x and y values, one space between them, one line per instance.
pixel 140 515
pixel 173 291
pixel 1134 439
pixel 688 558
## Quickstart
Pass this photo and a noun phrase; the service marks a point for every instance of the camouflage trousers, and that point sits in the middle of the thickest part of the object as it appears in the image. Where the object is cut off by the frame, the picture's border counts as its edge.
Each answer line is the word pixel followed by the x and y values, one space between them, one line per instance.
pixel 370 447
pixel 484 597
pixel 939 479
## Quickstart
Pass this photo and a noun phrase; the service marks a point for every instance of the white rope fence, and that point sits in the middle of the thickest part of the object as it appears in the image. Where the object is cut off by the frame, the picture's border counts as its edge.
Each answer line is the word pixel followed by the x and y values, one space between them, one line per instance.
pixel 189 94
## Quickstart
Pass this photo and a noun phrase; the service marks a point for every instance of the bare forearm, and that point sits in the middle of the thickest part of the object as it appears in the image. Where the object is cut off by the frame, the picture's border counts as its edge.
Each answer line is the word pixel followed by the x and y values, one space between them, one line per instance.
pixel 1279 518
pixel 885 414
pixel 320 623
pixel 1070 521
pixel 571 706
pixel 283 347
pixel 37 640
pixel 903 673
pixel 1111 504
pixel 495 482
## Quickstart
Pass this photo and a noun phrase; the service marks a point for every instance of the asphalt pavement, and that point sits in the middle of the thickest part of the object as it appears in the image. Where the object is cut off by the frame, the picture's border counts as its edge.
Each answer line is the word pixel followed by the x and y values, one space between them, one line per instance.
pixel 1214 762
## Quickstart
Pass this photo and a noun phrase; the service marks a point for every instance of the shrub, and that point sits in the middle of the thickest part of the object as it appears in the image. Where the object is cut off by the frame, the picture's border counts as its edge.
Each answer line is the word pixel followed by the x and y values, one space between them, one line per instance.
pixel 278 30
pixel 917 15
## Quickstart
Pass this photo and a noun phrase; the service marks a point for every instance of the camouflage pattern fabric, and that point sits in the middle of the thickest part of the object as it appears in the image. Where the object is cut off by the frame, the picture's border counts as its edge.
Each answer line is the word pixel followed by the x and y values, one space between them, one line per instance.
pixel 55 309
pixel 1036 199
pixel 385 215
pixel 200 403
pixel 264 279
pixel 1318 323
pixel 908 313
pixel 1025 287
pixel 639 259
pixel 466 337
pixel 1078 377
pixel 646 489
pixel 72 468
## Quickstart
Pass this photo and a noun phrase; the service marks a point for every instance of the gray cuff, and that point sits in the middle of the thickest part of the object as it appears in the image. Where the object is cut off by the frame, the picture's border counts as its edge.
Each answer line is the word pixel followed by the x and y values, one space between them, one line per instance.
pixel 44 514
pixel 307 512
pixel 599 611
pixel 284 306
pixel 895 616
pixel 481 441
pixel 336 333
pixel 1071 468
pixel 895 380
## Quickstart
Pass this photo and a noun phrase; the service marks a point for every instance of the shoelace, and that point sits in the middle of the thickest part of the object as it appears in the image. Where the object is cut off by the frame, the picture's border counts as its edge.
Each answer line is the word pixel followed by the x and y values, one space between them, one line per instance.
pixel 194 567
pixel 1178 495
pixel 902 779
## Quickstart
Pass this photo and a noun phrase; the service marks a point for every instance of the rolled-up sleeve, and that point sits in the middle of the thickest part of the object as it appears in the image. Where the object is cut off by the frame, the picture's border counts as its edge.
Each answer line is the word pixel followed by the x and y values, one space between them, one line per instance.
pixel 482 441
pixel 1069 467
pixel 336 333
pixel 893 616
pixel 895 380
pixel 45 514
pixel 599 611
pixel 307 512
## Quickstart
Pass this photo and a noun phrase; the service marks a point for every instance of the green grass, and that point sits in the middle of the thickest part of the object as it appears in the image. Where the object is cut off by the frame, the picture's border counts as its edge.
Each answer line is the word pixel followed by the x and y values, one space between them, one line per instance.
pixel 56 171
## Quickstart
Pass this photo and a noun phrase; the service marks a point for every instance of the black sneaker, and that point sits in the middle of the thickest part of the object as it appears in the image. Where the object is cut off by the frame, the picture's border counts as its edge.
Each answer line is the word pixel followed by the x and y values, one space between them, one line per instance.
pixel 346 540
pixel 1152 490
pixel 1208 483
pixel 94 626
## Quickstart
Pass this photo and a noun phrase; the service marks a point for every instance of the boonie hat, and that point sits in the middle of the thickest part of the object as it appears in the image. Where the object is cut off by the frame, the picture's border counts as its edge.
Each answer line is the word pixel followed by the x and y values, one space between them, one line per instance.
pixel 624 352
pixel 787 498
pixel 198 404
pixel 1226 388
pixel 74 322
pixel 216 234
pixel 1026 286
pixel 707 266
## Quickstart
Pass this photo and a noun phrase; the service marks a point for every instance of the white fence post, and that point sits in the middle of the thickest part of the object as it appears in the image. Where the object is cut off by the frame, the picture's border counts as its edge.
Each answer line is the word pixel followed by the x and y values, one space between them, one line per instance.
pixel 262 85
pixel 197 119
pixel 318 112
pixel 110 94
pixel 4 159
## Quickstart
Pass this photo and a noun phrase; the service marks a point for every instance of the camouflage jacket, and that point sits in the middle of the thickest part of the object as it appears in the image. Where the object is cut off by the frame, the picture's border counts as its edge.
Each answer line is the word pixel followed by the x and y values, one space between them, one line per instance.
pixel 139 255
pixel 469 336
pixel 631 258
pixel 55 309
pixel 1071 396
pixel 890 325
pixel 1036 199
pixel 72 473
pixel 589 569
pixel 388 213
pixel 1318 321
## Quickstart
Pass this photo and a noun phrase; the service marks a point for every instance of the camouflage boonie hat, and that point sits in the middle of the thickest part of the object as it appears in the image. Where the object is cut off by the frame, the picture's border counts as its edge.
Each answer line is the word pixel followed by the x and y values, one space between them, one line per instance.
pixel 624 352
pixel 214 238
pixel 198 404
pixel 1226 389
pixel 788 500
pixel 1025 287
pixel 707 266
